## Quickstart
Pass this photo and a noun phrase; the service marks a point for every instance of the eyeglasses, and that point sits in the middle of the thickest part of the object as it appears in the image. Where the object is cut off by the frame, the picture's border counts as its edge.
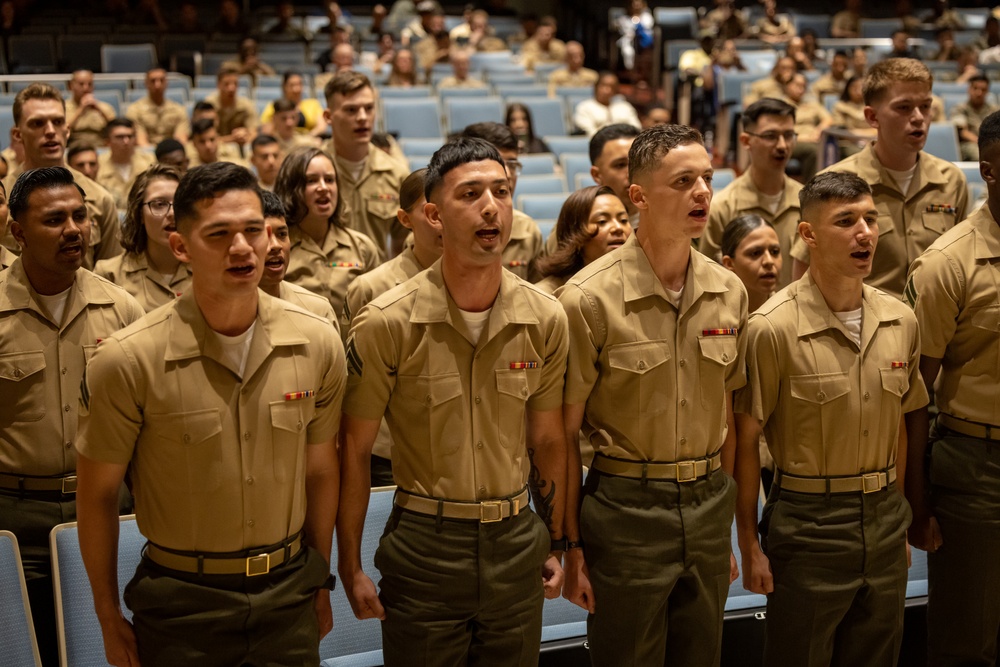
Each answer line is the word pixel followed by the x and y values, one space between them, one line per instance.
pixel 513 167
pixel 159 207
pixel 772 137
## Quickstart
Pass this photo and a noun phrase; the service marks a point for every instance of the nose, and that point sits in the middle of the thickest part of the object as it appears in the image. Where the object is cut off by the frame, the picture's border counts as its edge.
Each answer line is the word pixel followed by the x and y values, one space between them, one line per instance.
pixel 702 188
pixel 322 185
pixel 490 205
pixel 362 114
pixel 240 245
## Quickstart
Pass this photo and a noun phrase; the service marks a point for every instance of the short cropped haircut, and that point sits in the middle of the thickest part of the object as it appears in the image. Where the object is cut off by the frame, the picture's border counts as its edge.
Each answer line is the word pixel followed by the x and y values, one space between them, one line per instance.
pixel 738 229
pixel 288 75
pixel 454 154
pixel 653 144
pixel 208 181
pixel 262 140
pixel 78 147
pixel 201 126
pixel 979 78
pixel 610 133
pixel 347 82
pixel 989 132
pixel 290 185
pixel 44 178
pixel 411 190
pixel 227 70
pixel 35 91
pixel 884 73
pixel 283 105
pixel 117 122
pixel 167 146
pixel 134 238
pixel 498 134
pixel 202 105
pixel 767 106
pixel 831 186
pixel 273 208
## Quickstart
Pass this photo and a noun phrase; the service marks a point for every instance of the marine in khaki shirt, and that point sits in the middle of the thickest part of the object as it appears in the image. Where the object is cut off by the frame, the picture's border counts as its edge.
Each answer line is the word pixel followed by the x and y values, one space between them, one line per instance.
pixel 159 121
pixel 132 272
pixel 452 81
pixel 373 197
pixel 833 367
pixel 241 114
pixel 954 288
pixel 542 49
pixel 524 246
pixel 574 74
pixel 113 179
pixel 90 121
pixel 656 348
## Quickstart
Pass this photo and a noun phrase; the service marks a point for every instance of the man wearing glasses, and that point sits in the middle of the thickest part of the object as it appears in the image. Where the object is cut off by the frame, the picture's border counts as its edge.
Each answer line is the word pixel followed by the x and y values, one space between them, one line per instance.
pixel 526 241
pixel 118 168
pixel 763 189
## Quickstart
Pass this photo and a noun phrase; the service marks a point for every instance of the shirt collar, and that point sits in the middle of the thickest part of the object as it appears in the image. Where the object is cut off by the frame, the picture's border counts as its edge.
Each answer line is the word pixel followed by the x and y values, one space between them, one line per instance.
pixel 870 169
pixel 19 295
pixel 639 281
pixel 748 197
pixel 987 233
pixel 815 315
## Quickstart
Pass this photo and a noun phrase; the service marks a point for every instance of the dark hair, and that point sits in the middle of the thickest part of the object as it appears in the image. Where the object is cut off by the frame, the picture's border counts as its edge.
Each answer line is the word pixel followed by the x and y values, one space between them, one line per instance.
pixel 43 178
pixel 573 232
pixel 78 147
pixel 846 95
pixel 899 31
pixel 653 144
pixel 989 132
pixel 202 105
pixel 208 181
pixel 841 53
pixel 411 190
pixel 201 126
pixel 134 238
pixel 381 140
pixel 610 133
pixel 497 134
pixel 282 105
pixel 767 106
pixel 290 185
pixel 456 153
pixel 262 140
pixel 831 186
pixel 273 208
pixel 35 91
pixel 517 106
pixel 979 78
pixel 169 145
pixel 738 229
pixel 117 122
pixel 288 74
pixel 347 82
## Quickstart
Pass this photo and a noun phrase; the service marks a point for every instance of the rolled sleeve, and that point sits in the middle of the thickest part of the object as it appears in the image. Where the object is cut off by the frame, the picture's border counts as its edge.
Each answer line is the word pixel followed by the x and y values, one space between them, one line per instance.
pixel 111 417
pixel 371 365
pixel 550 391
pixel 582 369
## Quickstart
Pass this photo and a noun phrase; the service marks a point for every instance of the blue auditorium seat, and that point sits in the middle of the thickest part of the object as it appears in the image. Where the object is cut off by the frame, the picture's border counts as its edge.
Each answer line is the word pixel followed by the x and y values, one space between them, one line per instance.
pixel 17 635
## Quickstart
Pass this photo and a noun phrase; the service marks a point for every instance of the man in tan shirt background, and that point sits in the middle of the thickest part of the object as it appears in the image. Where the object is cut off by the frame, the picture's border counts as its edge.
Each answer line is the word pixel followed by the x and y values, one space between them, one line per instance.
pixel 86 116
pixel 574 74
pixel 118 168
pixel 157 118
pixel 237 120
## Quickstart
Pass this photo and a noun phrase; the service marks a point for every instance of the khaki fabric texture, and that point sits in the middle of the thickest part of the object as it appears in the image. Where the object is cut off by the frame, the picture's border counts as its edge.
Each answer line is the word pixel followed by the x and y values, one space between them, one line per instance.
pixel 132 272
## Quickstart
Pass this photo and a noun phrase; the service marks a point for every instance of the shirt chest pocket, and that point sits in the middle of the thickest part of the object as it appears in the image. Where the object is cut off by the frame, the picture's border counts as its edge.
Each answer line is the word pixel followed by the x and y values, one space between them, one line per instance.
pixel 819 404
pixel 192 441
pixel 640 377
pixel 895 381
pixel 514 387
pixel 433 401
pixel 382 208
pixel 937 222
pixel 22 386
pixel 717 353
pixel 289 420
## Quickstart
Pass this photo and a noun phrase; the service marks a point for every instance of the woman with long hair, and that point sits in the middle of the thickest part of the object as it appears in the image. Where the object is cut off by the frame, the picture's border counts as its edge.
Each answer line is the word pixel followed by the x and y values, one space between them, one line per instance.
pixel 325 255
pixel 593 221
pixel 519 121
pixel 148 269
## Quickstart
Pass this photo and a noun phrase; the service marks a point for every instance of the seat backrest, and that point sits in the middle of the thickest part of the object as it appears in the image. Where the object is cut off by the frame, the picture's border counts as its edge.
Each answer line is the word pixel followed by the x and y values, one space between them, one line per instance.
pixel 412 119
pixel 537 164
pixel 128 57
pixel 721 178
pixel 566 144
pixel 397 92
pixel 548 116
pixel 573 164
pixel 460 112
pixel 942 141
pixel 542 206
pixel 79 631
pixel 419 147
pixel 541 185
pixel 17 636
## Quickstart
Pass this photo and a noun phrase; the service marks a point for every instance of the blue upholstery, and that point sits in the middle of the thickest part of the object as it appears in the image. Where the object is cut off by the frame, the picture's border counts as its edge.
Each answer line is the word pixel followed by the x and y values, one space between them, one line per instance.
pixel 460 112
pixel 567 144
pixel 128 57
pixel 721 178
pixel 541 185
pixel 412 118
pixel 574 164
pixel 541 206
pixel 537 164
pixel 421 146
pixel 17 636
pixel 942 141
pixel 548 116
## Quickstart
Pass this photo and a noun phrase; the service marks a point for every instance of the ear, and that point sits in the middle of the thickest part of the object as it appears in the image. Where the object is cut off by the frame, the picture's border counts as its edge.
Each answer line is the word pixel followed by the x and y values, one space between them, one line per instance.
pixel 871 116
pixel 433 215
pixel 727 262
pixel 807 233
pixel 986 171
pixel 179 247
pixel 327 116
pixel 17 232
pixel 744 140
pixel 404 218
pixel 637 196
pixel 15 134
pixel 595 174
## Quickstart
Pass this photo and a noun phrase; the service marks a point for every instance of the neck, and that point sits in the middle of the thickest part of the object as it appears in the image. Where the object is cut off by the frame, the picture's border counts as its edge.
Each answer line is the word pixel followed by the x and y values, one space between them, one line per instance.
pixel 840 293
pixel 156 99
pixel 425 256
pixel 121 159
pixel 993 201
pixel 768 181
pixel 229 314
pixel 354 152
pixel 755 300
pixel 315 228
pixel 895 160
pixel 669 257
pixel 38 162
pixel 161 258
pixel 271 289
pixel 47 283
pixel 473 287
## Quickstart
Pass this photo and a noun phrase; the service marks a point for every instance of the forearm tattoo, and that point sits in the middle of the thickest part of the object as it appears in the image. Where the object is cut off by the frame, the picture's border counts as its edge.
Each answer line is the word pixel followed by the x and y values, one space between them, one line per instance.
pixel 543 493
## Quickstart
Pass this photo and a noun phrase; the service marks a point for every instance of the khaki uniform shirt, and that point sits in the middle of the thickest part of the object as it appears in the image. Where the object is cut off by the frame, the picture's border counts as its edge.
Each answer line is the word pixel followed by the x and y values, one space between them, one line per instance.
pixel 828 407
pixel 532 53
pixel 227 152
pixel 784 27
pixel 954 289
pixel 243 113
pixel 808 115
pixel 549 284
pixel 907 225
pixel 6 258
pixel 374 198
pixel 827 85
pixel 654 377
pixel 563 78
pixel 309 301
pixel 761 88
pixel 967 117
pixel 850 116
pixel 217 461
pixel 104 225
pixel 91 123
pixel 42 364
pixel 366 287
pixel 297 140
pixel 456 409
pixel 159 122
pixel 329 268
pixel 14 167
pixel 846 21
pixel 111 179
pixel 741 196
pixel 524 246
pixel 453 82
pixel 132 273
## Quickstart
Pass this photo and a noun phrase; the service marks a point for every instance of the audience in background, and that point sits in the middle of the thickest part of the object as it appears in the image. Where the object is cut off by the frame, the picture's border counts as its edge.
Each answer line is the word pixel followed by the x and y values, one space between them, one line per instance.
pixel 155 116
pixel 82 156
pixel 460 77
pixel 237 115
pixel 543 46
pixel 574 74
pixel 605 108
pixel 86 116
pixel 310 111
pixel 248 61
pixel 118 168
pixel 171 153
pixel 519 121
pixel 969 115
pixel 403 73
pixel 266 156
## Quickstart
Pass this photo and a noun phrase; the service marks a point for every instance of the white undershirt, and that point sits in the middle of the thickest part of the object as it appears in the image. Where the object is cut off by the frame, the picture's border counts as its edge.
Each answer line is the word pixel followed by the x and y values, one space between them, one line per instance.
pixel 475 322
pixel 772 202
pixel 851 319
pixel 354 168
pixel 236 348
pixel 674 297
pixel 124 170
pixel 55 304
pixel 903 178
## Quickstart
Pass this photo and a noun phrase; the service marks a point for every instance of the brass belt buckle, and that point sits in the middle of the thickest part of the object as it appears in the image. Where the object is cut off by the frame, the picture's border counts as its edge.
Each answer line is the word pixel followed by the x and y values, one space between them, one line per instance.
pixel 686 471
pixel 259 564
pixel 490 511
pixel 871 482
pixel 69 484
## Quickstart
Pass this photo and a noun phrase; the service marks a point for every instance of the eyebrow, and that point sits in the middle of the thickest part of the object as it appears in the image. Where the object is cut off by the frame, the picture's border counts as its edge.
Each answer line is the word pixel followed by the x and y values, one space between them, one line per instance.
pixel 475 182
